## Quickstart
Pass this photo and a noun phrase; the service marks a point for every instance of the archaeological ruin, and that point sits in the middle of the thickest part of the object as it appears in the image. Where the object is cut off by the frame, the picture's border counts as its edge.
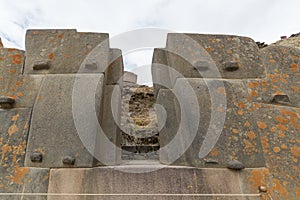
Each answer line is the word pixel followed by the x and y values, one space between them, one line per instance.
pixel 222 120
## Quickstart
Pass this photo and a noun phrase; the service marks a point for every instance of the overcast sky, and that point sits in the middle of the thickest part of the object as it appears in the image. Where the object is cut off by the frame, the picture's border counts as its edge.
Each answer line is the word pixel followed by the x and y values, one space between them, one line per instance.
pixel 263 20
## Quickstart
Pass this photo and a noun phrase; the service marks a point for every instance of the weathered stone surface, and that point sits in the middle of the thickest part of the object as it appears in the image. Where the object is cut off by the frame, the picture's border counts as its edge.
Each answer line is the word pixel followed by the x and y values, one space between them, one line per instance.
pixel 13 139
pixel 61 103
pixel 108 149
pixel 168 119
pixel 1 44
pixel 279 128
pixel 11 62
pixel 214 56
pixel 114 72
pixel 23 89
pixel 282 84
pixel 160 71
pixel 169 180
pixel 14 178
pixel 238 140
pixel 63 51
pixel 28 180
pixel 129 78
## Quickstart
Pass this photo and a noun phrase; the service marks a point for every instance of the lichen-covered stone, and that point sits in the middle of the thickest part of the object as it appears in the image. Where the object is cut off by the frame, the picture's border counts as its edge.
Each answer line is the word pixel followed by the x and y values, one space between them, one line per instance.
pixel 65 51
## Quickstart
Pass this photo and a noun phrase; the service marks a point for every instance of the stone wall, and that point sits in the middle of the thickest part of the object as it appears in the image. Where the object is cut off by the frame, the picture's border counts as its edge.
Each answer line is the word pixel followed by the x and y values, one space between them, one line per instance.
pixel 60 86
pixel 246 102
pixel 227 119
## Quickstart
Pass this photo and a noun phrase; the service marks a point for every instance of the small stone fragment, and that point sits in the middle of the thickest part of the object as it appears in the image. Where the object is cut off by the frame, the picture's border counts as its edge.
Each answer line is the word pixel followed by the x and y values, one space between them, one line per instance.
pixel 36 157
pixel 6 102
pixel 68 160
pixel 41 65
pixel 262 188
pixel 235 165
pixel 281 99
pixel 230 66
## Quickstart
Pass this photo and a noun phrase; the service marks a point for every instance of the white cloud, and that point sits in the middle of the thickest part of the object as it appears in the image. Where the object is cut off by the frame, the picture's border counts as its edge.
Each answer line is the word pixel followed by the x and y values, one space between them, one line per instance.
pixel 263 20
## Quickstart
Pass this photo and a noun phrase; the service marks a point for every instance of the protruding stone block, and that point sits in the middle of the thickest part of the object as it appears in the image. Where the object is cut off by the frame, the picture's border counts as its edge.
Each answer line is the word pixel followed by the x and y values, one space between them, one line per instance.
pixel 115 70
pixel 228 57
pixel 64 120
pixel 282 84
pixel 108 149
pixel 224 121
pixel 160 71
pixel 65 51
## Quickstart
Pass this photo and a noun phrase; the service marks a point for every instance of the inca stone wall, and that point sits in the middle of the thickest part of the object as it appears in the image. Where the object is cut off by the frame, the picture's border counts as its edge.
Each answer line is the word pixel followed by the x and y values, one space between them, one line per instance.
pixel 261 88
pixel 38 90
pixel 227 113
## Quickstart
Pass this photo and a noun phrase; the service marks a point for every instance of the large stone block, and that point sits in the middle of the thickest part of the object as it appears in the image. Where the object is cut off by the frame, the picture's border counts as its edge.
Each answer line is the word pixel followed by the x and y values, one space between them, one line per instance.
pixel 160 71
pixel 64 121
pixel 114 72
pixel 160 184
pixel 279 128
pixel 63 51
pixel 168 118
pixel 14 178
pixel 108 149
pixel 214 56
pixel 224 119
pixel 282 84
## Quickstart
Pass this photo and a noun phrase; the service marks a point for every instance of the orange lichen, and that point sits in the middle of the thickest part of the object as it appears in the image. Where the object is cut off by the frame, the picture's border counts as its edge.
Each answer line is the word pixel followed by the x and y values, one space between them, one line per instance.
pixel 251 135
pixel 295 88
pixel 282 127
pixel 262 125
pixel 298 192
pixel 272 61
pixel 208 49
pixel 281 135
pixel 235 131
pixel 60 36
pixel 295 67
pixel 240 112
pixel 278 187
pixel 276 149
pixel 253 84
pixel 214 152
pixel 19 94
pixel 51 56
pixel 247 124
pixel 15 117
pixel 12 130
pixel 17 59
pixel 241 105
pixel 254 93
pixel 258 177
pixel 295 151
pixel 20 173
pixel 280 119
pixel 5 149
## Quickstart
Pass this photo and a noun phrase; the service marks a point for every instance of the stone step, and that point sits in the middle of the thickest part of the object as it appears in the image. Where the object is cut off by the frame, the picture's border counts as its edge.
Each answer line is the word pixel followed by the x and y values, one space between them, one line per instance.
pixel 150 180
